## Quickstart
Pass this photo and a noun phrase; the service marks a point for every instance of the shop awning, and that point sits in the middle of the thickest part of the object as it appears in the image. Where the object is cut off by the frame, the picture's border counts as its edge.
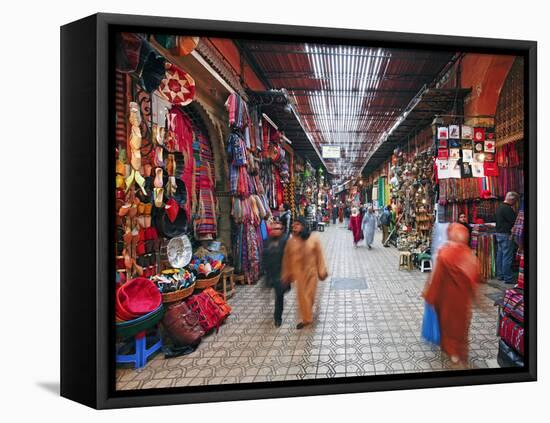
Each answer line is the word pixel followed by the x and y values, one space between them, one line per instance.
pixel 421 112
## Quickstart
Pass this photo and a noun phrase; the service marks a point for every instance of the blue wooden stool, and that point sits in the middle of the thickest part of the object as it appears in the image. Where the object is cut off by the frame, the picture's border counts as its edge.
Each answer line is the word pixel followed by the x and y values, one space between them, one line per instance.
pixel 141 352
pixel 136 332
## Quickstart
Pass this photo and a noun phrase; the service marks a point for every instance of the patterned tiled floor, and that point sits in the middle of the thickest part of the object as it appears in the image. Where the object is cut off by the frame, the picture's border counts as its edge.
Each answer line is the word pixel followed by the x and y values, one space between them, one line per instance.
pixel 361 329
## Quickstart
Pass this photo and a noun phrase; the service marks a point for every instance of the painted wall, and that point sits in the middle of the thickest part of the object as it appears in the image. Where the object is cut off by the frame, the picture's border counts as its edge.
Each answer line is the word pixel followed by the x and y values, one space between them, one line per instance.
pixel 485 74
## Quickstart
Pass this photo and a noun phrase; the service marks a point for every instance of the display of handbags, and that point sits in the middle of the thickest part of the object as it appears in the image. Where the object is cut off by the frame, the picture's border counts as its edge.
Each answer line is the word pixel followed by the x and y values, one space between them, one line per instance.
pixel 211 316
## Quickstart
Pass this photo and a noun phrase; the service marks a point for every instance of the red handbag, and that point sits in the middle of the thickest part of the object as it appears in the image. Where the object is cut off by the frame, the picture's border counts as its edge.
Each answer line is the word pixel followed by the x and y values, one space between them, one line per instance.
pixel 210 315
pixel 217 298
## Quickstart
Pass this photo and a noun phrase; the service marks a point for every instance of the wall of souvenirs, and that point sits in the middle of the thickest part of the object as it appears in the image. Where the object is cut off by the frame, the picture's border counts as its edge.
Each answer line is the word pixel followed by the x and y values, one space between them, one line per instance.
pixel 164 159
pixel 167 253
pixel 474 174
pixel 465 170
pixel 167 238
pixel 410 190
pixel 250 203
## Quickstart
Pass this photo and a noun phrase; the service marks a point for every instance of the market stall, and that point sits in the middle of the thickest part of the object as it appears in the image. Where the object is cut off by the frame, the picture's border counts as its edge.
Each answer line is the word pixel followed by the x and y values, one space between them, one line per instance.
pixel 167 214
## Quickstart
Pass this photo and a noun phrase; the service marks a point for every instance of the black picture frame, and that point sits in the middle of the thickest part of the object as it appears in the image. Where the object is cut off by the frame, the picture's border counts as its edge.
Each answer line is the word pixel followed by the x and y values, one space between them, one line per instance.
pixel 87 366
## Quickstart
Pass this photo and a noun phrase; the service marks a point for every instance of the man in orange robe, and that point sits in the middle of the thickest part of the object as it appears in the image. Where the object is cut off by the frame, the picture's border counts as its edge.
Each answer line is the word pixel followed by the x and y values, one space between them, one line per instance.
pixel 304 264
pixel 451 291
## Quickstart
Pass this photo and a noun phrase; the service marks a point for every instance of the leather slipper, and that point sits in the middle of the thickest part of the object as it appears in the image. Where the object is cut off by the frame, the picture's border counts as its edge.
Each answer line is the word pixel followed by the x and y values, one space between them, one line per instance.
pixel 158 195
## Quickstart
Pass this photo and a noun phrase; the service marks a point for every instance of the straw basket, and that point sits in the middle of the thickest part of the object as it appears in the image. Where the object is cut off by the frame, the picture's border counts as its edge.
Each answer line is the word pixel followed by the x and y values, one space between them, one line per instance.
pixel 207 283
pixel 172 297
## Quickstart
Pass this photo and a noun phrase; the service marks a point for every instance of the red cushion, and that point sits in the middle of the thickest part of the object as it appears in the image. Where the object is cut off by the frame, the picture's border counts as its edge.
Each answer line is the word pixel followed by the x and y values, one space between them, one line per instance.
pixel 137 297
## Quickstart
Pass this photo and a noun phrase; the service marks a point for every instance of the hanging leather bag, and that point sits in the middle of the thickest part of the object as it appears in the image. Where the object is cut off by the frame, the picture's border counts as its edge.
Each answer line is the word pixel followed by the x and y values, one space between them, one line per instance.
pixel 182 325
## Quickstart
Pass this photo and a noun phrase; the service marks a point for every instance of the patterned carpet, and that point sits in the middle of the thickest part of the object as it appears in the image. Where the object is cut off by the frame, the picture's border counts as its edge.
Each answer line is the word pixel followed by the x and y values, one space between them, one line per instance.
pixel 368 318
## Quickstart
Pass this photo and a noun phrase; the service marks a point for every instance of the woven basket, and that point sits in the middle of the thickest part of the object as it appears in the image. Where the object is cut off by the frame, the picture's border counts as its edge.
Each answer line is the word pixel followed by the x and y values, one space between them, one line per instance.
pixel 171 297
pixel 207 283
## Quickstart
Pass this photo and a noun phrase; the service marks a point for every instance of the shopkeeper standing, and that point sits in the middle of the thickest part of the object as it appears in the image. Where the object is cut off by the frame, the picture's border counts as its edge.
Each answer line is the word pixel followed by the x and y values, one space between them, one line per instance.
pixel 505 218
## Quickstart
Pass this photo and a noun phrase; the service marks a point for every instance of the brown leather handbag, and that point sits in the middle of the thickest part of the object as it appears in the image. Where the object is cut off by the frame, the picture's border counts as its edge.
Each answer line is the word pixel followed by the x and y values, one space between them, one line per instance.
pixel 182 325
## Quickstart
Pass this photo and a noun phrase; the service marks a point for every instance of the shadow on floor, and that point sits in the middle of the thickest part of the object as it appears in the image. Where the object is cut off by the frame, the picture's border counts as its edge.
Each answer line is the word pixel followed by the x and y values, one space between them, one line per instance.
pixel 51 387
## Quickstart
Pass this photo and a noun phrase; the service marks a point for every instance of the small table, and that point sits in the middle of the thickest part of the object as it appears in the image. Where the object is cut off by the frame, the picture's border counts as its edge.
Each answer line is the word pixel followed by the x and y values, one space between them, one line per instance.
pixel 321 227
pixel 227 273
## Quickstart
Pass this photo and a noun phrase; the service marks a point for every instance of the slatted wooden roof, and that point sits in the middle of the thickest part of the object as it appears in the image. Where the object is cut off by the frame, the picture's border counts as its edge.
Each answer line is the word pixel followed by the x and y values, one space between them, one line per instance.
pixel 344 96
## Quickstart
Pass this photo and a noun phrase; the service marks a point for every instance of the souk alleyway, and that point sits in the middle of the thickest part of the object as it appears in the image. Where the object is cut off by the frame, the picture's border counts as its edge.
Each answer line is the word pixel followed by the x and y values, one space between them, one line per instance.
pixel 368 323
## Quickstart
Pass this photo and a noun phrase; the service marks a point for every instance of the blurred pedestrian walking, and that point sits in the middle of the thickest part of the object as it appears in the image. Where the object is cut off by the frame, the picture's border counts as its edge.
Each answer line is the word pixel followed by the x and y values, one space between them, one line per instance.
pixel 334 213
pixel 272 263
pixel 355 225
pixel 347 216
pixel 451 290
pixel 304 264
pixel 285 217
pixel 385 221
pixel 368 226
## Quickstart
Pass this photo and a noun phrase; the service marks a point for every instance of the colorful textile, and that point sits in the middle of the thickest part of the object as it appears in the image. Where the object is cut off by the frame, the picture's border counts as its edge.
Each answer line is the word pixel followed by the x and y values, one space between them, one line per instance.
pixel 205 222
pixel 238 112
pixel 508 156
pixel 181 130
pixel 381 192
pixel 249 204
pixel 512 333
pixel 486 253
pixel 521 273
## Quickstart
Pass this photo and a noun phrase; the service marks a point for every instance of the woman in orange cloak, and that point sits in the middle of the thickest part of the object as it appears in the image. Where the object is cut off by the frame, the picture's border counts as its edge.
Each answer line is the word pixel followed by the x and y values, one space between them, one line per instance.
pixel 451 291
pixel 304 264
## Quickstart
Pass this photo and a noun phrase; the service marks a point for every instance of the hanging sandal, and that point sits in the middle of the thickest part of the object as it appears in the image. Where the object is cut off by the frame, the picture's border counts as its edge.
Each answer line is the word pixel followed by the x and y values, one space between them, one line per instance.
pixel 171 186
pixel 171 165
pixel 141 208
pixel 123 211
pixel 147 208
pixel 158 182
pixel 158 157
pixel 158 194
pixel 160 136
pixel 136 177
pixel 120 168
pixel 135 159
pixel 130 179
pixel 120 182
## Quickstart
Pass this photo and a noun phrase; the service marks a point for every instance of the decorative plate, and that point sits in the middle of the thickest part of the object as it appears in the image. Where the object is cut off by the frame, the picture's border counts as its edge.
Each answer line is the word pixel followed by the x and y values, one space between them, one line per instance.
pixel 179 251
